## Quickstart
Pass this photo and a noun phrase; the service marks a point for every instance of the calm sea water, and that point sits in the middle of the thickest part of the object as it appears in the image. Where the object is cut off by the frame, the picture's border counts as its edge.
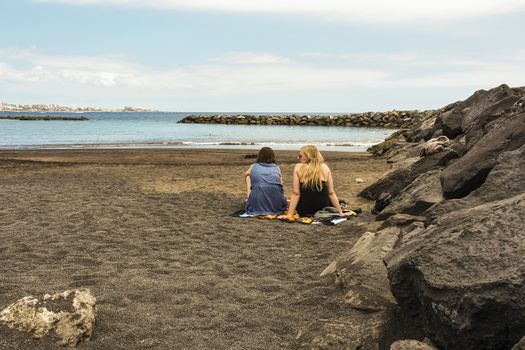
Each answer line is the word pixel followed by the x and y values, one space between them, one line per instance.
pixel 159 129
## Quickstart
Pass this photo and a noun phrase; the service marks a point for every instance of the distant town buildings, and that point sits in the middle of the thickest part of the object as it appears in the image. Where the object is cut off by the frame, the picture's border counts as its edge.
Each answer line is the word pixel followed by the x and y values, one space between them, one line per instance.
pixel 8 107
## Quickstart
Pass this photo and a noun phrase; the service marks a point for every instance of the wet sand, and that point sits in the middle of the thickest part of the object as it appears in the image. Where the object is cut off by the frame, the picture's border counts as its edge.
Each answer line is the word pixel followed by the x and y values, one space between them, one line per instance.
pixel 149 232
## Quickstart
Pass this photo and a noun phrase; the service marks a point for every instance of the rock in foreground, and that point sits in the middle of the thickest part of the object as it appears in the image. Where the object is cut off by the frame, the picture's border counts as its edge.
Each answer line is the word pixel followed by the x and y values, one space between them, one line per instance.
pixel 71 314
pixel 464 277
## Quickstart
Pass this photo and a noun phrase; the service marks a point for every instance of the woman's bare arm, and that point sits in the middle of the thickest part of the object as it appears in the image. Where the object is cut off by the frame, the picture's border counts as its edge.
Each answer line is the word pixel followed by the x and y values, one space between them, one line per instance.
pixel 331 192
pixel 248 180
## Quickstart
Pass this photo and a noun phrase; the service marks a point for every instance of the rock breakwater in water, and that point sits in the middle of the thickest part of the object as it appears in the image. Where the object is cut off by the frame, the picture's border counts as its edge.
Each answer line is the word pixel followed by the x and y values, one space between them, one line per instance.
pixel 392 119
pixel 450 225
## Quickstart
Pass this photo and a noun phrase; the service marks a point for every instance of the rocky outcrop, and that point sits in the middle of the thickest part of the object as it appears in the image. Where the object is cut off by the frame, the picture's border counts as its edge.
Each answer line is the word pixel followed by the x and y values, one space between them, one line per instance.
pixel 405 172
pixel 362 276
pixel 464 278
pixel 391 119
pixel 506 177
pixel 457 267
pixel 362 273
pixel 463 177
pixel 422 193
pixel 71 314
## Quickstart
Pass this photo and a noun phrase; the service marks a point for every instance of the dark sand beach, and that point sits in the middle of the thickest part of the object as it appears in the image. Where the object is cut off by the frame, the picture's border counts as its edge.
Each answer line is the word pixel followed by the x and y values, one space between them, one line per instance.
pixel 149 232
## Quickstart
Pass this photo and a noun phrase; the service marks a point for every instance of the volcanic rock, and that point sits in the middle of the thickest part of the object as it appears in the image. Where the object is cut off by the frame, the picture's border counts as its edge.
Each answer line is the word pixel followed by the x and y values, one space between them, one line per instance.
pixel 507 177
pixel 71 314
pixel 450 122
pixel 362 273
pixel 461 178
pixel 464 276
pixel 457 267
pixel 417 197
pixel 403 173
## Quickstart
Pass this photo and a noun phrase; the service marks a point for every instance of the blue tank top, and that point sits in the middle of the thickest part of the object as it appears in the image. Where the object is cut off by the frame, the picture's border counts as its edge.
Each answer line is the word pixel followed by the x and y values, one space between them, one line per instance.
pixel 265 174
pixel 266 191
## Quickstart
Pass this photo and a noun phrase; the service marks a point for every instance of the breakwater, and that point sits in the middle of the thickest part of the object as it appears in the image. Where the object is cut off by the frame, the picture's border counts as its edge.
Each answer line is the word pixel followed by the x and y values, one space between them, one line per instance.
pixel 391 119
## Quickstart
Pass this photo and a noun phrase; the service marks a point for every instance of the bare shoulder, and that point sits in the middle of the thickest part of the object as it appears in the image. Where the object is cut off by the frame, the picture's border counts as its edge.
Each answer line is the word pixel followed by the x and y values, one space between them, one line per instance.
pixel 326 171
pixel 298 169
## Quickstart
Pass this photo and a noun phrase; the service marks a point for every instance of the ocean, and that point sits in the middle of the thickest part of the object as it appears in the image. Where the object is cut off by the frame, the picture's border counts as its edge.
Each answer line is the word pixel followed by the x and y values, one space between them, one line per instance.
pixel 161 130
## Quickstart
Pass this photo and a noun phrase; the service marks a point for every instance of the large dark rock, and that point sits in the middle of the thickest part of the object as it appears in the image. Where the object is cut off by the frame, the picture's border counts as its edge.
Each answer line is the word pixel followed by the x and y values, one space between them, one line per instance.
pixel 450 123
pixel 461 178
pixel 423 131
pixel 362 273
pixel 417 197
pixel 486 106
pixel 464 276
pixel 403 173
pixel 507 177
pixel 393 181
pixel 471 117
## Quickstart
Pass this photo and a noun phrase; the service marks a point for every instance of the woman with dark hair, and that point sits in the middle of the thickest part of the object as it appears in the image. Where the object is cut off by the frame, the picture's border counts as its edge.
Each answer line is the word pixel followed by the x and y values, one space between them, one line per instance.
pixel 264 186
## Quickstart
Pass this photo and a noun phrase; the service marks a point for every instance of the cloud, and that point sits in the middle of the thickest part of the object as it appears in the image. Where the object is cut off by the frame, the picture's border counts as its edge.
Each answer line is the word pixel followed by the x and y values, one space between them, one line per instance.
pixel 250 58
pixel 101 71
pixel 242 76
pixel 370 11
pixel 385 59
pixel 233 73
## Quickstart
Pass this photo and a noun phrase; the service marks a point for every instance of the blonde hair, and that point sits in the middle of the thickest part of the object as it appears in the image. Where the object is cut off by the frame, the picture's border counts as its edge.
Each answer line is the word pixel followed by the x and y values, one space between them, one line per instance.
pixel 311 175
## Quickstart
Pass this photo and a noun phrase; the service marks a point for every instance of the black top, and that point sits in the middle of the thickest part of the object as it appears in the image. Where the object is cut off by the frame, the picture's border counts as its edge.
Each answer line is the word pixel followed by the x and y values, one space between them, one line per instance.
pixel 312 200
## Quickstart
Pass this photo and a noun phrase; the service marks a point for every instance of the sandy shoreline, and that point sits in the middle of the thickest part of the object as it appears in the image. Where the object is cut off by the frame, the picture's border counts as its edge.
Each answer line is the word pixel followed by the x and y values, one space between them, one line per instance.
pixel 148 232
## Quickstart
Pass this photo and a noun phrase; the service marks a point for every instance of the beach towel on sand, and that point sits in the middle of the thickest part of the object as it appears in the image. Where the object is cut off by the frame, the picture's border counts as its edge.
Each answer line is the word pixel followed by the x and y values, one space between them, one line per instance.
pixel 295 218
pixel 325 216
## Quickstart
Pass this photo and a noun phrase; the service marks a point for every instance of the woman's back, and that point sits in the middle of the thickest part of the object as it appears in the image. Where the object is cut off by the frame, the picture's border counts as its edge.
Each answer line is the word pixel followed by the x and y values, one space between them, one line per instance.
pixel 313 200
pixel 313 186
pixel 266 190
pixel 265 174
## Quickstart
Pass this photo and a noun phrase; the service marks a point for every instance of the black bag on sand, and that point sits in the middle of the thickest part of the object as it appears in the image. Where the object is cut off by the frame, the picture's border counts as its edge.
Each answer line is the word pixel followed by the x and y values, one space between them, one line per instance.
pixel 329 216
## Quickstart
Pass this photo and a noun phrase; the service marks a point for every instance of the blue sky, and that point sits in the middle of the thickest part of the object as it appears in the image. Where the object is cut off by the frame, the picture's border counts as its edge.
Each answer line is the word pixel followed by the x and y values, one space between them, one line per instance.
pixel 258 55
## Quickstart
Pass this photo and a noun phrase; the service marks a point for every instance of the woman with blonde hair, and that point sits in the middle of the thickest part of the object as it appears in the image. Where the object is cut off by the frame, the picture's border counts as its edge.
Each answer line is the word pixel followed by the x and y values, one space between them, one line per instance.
pixel 312 186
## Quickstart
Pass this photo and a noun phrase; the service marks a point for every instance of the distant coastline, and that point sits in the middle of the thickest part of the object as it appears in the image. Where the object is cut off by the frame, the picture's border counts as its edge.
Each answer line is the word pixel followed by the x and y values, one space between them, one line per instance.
pixel 9 107
pixel 43 117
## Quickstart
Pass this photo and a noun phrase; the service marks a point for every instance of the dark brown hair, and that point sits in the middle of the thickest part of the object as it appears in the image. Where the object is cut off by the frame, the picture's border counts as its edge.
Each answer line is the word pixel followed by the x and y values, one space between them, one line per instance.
pixel 266 155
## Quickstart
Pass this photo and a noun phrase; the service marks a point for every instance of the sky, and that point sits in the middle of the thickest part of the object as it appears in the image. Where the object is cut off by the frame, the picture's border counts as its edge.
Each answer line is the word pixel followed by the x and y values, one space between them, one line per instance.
pixel 258 55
